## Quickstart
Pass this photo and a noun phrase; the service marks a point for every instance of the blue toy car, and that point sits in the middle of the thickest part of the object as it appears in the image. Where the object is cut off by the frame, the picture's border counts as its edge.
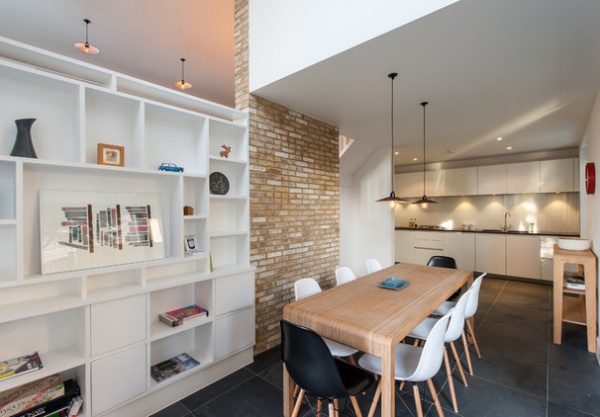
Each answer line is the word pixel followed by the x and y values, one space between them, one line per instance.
pixel 167 166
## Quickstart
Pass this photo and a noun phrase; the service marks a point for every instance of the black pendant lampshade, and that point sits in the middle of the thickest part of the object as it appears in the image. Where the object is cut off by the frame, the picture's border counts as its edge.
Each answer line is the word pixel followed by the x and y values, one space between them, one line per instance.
pixel 424 202
pixel 392 200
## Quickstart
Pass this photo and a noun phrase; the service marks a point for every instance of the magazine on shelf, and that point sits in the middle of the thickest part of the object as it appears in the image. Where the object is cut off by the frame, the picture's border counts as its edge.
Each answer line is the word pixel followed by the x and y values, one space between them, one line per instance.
pixel 574 281
pixel 20 365
pixel 58 405
pixel 173 366
pixel 183 315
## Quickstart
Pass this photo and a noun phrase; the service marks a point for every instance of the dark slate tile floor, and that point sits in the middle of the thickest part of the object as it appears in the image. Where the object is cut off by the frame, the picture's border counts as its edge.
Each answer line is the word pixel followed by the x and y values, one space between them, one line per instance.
pixel 521 372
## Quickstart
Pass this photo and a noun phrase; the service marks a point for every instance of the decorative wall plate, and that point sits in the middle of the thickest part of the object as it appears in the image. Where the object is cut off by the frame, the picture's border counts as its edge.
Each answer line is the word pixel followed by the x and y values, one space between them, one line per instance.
pixel 219 184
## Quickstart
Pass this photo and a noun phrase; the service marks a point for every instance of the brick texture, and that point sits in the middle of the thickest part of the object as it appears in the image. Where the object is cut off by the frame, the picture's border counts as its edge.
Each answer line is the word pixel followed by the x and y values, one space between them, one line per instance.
pixel 294 196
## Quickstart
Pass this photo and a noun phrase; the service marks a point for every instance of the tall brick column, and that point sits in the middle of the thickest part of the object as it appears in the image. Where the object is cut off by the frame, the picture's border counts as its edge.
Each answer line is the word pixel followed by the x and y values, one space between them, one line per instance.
pixel 294 196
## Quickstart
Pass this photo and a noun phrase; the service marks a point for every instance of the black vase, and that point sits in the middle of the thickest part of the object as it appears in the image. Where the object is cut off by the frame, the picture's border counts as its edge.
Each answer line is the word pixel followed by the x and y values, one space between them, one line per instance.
pixel 23 145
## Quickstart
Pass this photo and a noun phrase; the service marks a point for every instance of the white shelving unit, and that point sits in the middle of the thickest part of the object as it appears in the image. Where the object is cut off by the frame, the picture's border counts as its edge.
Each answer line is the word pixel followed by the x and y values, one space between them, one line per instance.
pixel 100 326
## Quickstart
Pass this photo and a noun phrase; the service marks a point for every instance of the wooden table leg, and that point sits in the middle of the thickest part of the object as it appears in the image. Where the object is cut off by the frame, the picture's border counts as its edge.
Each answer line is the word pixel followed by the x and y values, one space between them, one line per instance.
pixel 288 393
pixel 388 380
pixel 590 304
pixel 558 300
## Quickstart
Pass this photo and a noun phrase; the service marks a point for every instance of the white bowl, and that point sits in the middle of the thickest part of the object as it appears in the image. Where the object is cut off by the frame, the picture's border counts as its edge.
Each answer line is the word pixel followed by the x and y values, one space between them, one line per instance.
pixel 573 244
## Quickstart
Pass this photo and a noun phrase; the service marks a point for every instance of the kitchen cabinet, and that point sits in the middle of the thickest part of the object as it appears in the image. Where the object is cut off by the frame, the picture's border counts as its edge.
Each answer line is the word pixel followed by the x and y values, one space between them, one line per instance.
pixel 426 245
pixel 100 325
pixel 404 246
pixel 461 247
pixel 559 175
pixel 523 178
pixel 461 181
pixel 523 256
pixel 409 184
pixel 491 179
pixel 435 182
pixel 490 253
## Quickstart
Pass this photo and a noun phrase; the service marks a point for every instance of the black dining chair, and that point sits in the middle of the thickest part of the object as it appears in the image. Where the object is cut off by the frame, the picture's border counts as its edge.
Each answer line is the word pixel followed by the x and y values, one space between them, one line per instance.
pixel 444 262
pixel 311 366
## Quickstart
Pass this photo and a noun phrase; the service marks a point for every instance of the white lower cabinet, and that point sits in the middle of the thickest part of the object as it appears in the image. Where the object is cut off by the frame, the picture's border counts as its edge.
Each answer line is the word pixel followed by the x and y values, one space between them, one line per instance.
pixel 461 247
pixel 523 256
pixel 490 253
pixel 235 331
pixel 118 378
pixel 404 246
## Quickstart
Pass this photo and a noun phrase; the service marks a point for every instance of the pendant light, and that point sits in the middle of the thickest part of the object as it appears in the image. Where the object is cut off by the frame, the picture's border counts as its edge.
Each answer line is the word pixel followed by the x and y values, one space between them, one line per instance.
pixel 392 200
pixel 424 202
pixel 182 85
pixel 86 47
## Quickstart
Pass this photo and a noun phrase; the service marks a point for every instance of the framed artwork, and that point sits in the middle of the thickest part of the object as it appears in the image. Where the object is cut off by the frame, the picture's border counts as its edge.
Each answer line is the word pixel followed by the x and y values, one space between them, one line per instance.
pixel 191 245
pixel 111 155
pixel 81 230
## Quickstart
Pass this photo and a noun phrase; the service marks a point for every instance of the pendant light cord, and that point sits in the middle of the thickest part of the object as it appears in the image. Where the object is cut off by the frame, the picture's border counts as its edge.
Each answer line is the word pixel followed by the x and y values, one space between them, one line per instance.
pixel 424 104
pixel 392 76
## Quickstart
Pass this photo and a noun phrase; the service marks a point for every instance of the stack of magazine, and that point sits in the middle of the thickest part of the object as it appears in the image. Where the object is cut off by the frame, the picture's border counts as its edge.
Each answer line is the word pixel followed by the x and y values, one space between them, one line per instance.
pixel 185 315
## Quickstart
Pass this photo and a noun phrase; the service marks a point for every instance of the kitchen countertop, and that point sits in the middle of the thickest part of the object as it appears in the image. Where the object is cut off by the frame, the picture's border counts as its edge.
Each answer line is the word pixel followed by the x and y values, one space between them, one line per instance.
pixel 496 231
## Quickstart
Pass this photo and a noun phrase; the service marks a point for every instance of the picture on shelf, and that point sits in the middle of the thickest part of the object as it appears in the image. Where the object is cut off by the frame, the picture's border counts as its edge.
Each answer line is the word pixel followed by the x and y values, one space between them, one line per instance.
pixel 191 246
pixel 81 230
pixel 111 154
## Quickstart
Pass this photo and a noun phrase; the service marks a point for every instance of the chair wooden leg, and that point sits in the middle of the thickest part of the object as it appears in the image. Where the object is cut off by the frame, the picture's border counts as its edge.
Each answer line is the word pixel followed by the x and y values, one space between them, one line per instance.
pixel 436 400
pixel 352 360
pixel 331 409
pixel 356 406
pixel 418 404
pixel 472 333
pixel 336 403
pixel 298 403
pixel 467 354
pixel 376 397
pixel 458 364
pixel 450 380
pixel 319 407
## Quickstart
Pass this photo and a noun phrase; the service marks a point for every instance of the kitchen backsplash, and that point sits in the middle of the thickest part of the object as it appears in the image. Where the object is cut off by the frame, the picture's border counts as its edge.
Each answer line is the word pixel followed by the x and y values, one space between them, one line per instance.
pixel 557 212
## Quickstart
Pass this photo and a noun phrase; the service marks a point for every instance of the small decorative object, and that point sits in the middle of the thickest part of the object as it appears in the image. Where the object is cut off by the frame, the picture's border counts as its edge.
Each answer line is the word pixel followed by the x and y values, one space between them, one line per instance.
pixel 23 145
pixel 188 210
pixel 190 244
pixel 219 184
pixel 111 155
pixel 225 153
pixel 169 166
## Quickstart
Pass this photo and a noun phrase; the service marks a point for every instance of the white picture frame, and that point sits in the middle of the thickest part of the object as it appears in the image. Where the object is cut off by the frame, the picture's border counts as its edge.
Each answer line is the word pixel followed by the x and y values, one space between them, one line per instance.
pixel 82 230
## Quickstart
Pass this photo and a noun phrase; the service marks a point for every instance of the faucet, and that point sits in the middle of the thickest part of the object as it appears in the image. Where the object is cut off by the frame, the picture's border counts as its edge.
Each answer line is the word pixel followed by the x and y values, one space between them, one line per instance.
pixel 505 227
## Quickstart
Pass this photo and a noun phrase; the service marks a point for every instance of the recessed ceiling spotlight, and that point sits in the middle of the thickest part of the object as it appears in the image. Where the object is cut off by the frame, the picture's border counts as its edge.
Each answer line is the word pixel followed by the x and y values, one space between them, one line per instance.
pixel 499 138
pixel 396 153
pixel 415 159
pixel 509 148
pixel 450 151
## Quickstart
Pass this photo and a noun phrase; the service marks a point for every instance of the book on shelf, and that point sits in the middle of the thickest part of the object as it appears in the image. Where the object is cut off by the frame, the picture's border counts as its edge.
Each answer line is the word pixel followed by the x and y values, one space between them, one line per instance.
pixel 184 315
pixel 173 366
pixel 38 398
pixel 20 365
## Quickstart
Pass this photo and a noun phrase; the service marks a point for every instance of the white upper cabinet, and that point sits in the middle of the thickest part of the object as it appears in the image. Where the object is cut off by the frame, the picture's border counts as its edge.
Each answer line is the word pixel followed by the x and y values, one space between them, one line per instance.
pixel 523 178
pixel 409 185
pixel 558 175
pixel 461 181
pixel 491 179
pixel 435 182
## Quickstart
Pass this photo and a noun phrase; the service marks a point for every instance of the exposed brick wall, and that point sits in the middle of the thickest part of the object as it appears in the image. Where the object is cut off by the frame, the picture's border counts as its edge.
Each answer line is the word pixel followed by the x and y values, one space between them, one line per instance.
pixel 294 197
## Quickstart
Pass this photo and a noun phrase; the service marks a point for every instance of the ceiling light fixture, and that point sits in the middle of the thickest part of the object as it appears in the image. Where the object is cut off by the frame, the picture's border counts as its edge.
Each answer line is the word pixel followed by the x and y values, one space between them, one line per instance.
pixel 86 47
pixel 392 200
pixel 182 85
pixel 424 202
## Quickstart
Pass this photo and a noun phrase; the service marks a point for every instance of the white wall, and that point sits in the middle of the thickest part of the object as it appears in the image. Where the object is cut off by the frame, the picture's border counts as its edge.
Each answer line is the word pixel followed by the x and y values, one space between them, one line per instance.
pixel 592 202
pixel 366 227
pixel 289 35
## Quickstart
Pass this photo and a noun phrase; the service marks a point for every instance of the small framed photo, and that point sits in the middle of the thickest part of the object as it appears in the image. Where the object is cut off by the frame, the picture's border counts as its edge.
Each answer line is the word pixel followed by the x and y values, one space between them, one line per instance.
pixel 111 155
pixel 191 245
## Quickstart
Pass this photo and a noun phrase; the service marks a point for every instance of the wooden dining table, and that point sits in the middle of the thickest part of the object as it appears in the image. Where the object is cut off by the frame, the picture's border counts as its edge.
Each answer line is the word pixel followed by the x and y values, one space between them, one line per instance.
pixel 372 319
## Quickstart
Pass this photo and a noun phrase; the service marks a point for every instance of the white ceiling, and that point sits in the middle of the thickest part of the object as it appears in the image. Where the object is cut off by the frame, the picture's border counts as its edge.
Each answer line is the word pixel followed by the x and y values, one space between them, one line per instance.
pixel 528 71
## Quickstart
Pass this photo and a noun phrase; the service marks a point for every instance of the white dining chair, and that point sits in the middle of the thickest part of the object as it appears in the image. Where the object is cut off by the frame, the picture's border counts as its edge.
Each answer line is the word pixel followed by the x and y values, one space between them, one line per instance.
pixel 306 287
pixel 414 364
pixel 373 265
pixel 453 332
pixel 344 274
pixel 470 311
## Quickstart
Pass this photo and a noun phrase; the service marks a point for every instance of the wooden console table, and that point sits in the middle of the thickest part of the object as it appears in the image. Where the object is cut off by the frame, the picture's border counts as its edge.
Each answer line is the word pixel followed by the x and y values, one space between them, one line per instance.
pixel 575 306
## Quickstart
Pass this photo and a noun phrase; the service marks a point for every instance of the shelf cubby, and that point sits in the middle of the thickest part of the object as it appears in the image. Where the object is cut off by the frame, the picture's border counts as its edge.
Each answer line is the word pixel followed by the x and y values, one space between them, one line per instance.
pixel 7 190
pixel 195 194
pixel 8 254
pixel 229 250
pixel 236 173
pixel 99 284
pixel 229 134
pixel 228 215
